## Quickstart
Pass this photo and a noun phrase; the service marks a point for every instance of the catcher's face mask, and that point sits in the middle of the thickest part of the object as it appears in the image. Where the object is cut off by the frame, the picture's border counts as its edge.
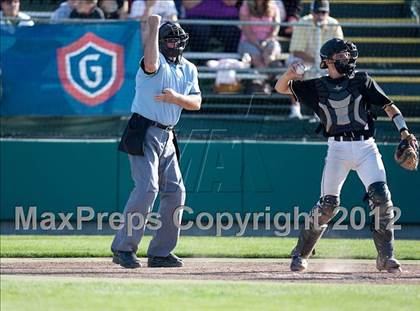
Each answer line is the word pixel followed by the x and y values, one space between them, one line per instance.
pixel 343 54
pixel 342 62
pixel 172 40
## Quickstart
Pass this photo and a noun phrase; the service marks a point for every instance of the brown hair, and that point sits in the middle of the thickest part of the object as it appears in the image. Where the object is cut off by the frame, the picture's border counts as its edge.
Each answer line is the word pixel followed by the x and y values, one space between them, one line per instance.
pixel 254 10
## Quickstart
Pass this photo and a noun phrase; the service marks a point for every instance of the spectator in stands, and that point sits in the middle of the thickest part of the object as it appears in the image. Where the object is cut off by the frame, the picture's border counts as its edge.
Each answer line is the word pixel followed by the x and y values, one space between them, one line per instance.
pixel 144 8
pixel 200 35
pixel 87 9
pixel 179 8
pixel 64 9
pixel 313 30
pixel 10 14
pixel 293 9
pixel 114 9
pixel 281 7
pixel 260 41
pixel 304 43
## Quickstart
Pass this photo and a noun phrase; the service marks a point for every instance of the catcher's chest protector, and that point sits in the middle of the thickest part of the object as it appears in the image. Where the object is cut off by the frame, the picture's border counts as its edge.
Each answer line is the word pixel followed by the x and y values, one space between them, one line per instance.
pixel 342 108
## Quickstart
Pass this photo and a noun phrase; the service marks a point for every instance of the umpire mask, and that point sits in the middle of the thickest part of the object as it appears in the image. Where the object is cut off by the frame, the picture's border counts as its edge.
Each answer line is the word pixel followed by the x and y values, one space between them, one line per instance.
pixel 343 53
pixel 172 41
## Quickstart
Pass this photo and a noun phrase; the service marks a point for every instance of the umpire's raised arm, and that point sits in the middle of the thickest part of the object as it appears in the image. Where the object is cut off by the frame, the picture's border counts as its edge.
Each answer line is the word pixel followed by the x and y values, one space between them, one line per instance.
pixel 151 49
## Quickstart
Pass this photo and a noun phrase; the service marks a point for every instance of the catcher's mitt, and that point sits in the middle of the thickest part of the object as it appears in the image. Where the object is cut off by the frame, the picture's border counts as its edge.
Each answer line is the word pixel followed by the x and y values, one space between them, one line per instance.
pixel 407 154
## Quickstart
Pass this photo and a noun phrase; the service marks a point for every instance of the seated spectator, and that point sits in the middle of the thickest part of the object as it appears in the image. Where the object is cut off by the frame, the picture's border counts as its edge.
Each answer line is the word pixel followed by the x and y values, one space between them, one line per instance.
pixel 281 7
pixel 259 41
pixel 293 9
pixel 10 14
pixel 114 9
pixel 144 8
pixel 64 9
pixel 305 43
pixel 200 35
pixel 179 8
pixel 87 9
pixel 313 30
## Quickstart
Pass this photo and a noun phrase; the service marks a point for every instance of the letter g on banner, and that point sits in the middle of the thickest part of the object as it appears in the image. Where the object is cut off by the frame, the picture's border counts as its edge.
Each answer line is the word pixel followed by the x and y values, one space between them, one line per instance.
pixel 97 70
pixel 91 69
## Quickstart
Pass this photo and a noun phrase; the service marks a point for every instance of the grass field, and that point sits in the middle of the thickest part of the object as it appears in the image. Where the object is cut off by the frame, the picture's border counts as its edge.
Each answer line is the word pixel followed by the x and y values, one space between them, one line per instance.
pixel 18 293
pixel 97 284
pixel 244 247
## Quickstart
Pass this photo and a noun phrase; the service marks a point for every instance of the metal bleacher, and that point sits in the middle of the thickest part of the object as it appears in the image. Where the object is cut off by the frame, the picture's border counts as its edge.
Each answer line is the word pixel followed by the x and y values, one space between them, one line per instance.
pixel 389 49
pixel 386 32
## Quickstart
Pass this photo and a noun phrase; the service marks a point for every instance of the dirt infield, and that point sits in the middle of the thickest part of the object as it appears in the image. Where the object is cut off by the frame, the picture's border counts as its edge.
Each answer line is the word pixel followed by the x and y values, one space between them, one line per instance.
pixel 323 271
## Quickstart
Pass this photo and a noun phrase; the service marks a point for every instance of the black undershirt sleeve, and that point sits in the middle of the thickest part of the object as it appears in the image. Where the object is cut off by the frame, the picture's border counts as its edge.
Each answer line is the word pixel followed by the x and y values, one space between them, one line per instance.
pixel 144 69
pixel 306 93
pixel 375 95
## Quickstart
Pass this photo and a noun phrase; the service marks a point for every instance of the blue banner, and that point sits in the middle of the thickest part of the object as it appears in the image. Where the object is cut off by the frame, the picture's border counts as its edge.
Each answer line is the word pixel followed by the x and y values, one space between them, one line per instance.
pixel 69 69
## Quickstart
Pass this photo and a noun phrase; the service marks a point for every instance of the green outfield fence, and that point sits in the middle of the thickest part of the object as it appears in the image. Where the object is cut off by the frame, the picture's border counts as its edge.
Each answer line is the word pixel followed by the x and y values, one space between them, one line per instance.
pixel 232 175
pixel 240 153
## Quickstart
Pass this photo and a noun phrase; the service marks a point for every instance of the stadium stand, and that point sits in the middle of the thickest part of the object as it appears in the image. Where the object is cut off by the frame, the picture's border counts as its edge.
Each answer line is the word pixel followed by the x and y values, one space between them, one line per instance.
pixel 386 32
pixel 388 46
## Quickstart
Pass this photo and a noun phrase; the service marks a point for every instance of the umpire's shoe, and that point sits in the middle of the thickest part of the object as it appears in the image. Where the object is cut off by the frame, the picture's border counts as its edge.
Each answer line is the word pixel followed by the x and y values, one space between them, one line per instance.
pixel 298 264
pixel 389 264
pixel 170 261
pixel 126 260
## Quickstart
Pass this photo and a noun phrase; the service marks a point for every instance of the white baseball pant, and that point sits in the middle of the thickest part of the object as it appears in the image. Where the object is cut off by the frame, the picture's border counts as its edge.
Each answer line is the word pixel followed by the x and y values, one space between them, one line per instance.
pixel 343 156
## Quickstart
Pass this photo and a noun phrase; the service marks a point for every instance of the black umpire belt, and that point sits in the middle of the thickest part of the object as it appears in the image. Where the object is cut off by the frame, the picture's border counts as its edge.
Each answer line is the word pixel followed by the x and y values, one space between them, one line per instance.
pixel 133 138
pixel 352 138
pixel 154 123
pixel 161 126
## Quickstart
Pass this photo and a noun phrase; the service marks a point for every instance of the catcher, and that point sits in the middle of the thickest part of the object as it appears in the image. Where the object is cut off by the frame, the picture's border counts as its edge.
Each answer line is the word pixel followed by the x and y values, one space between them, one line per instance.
pixel 343 101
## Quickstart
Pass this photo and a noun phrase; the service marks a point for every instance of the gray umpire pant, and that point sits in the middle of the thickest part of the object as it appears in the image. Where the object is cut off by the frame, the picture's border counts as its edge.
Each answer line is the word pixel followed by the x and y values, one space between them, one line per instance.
pixel 155 172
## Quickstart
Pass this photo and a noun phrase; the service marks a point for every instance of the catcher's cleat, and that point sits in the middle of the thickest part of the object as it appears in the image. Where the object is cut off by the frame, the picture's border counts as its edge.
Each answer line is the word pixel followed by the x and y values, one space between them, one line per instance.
pixel 390 264
pixel 298 264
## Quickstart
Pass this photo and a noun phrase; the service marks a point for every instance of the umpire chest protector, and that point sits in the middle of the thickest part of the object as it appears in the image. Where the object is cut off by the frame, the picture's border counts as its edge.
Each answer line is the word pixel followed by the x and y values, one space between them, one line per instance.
pixel 342 108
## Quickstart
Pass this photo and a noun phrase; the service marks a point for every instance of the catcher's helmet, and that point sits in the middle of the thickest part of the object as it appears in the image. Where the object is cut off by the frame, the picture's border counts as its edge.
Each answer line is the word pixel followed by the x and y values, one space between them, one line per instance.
pixel 343 53
pixel 172 40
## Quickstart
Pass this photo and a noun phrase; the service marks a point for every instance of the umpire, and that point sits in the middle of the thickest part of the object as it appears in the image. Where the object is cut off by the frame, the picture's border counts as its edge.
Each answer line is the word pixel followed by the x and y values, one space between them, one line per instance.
pixel 166 83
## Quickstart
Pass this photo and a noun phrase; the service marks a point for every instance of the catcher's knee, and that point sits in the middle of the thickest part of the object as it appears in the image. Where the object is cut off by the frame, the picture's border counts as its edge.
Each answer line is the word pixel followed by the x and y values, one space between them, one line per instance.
pixel 379 194
pixel 380 198
pixel 327 208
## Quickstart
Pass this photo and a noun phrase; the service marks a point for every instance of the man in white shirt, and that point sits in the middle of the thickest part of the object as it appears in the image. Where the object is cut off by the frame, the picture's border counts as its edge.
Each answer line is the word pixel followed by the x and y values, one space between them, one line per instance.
pixel 64 9
pixel 312 31
pixel 144 8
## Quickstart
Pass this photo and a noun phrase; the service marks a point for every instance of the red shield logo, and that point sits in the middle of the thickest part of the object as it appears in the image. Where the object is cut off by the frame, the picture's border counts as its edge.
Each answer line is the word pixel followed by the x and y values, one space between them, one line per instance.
pixel 91 69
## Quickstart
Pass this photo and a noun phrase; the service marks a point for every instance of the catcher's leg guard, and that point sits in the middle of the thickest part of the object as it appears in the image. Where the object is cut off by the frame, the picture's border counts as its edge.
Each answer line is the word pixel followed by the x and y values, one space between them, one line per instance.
pixel 326 209
pixel 383 234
